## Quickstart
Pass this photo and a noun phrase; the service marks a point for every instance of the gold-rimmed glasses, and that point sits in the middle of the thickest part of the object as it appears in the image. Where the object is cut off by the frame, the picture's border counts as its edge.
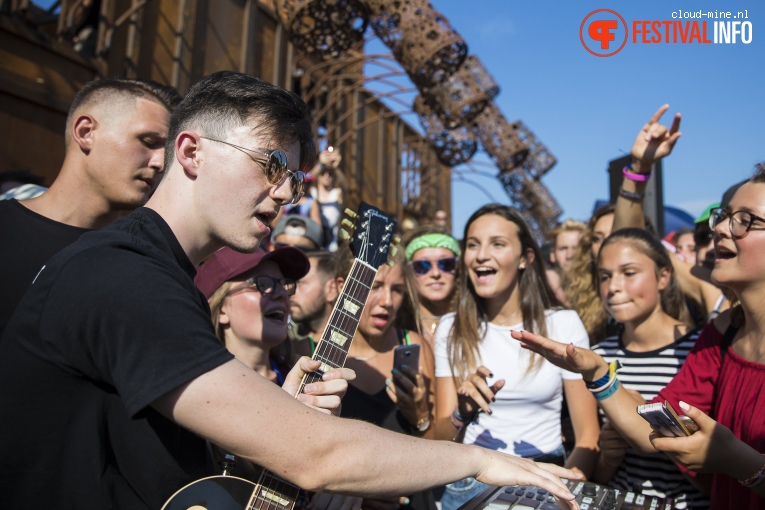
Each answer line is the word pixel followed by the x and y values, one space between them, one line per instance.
pixel 274 166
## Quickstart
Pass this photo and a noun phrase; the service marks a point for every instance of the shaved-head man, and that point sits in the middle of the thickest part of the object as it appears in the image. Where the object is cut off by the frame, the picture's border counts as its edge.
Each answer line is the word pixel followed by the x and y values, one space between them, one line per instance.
pixel 115 145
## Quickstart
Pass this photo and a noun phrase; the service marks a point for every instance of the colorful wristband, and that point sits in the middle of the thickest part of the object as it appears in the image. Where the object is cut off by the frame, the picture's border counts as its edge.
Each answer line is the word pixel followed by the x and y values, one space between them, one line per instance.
pixel 629 174
pixel 609 391
pixel 613 367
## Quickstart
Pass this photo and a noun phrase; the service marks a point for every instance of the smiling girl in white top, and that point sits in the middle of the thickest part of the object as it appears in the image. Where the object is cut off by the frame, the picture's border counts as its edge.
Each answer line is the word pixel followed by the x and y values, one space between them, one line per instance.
pixel 505 289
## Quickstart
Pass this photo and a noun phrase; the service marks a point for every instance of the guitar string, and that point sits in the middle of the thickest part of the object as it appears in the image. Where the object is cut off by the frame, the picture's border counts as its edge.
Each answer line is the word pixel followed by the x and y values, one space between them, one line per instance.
pixel 338 357
pixel 275 483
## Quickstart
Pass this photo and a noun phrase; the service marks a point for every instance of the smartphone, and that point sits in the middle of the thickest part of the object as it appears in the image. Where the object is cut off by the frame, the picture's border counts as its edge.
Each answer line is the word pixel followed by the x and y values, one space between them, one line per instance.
pixel 664 419
pixel 408 355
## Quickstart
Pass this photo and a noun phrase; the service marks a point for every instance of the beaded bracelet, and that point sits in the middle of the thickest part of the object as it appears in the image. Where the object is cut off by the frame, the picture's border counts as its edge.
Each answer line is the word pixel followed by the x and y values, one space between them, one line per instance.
pixel 629 174
pixel 754 480
pixel 630 195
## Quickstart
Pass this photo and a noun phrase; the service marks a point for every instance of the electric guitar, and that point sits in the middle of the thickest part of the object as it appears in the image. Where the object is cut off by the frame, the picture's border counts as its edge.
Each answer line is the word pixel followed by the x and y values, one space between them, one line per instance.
pixel 370 245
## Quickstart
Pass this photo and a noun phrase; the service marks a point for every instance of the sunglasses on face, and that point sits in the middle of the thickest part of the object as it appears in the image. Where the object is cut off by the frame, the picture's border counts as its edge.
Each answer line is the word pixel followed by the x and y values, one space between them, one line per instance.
pixel 423 267
pixel 266 285
pixel 275 167
pixel 740 221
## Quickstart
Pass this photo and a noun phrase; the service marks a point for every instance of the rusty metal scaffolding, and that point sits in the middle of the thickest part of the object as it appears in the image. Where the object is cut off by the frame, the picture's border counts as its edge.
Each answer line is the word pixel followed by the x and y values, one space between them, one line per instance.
pixel 459 99
pixel 501 139
pixel 419 183
pixel 452 146
pixel 324 28
pixel 420 37
pixel 533 199
pixel 328 85
pixel 539 160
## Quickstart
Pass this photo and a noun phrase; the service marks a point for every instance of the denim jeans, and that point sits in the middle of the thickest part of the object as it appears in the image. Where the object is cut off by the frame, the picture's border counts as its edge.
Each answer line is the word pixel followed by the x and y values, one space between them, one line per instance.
pixel 462 491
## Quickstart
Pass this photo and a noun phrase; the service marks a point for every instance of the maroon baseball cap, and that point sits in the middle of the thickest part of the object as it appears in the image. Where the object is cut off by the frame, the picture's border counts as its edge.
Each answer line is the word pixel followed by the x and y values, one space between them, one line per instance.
pixel 226 264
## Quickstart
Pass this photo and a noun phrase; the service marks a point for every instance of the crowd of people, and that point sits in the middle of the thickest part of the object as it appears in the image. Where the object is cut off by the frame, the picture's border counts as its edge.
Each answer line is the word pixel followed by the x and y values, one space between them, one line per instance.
pixel 168 294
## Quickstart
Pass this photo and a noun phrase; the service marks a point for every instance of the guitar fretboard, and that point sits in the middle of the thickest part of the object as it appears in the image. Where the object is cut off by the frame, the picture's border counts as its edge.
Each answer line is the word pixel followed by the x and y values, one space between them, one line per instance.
pixel 272 492
pixel 332 350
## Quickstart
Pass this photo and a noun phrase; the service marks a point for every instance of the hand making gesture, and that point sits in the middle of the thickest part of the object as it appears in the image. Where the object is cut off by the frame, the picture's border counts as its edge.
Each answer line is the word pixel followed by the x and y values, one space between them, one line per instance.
pixel 654 141
pixel 475 393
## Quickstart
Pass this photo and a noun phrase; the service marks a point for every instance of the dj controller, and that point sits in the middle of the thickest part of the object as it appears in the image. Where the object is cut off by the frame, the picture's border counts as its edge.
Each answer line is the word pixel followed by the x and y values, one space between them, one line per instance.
pixel 590 496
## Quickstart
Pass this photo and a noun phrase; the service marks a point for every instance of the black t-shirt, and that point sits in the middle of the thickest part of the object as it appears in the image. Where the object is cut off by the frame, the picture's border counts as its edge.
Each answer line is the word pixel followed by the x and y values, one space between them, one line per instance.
pixel 27 241
pixel 112 323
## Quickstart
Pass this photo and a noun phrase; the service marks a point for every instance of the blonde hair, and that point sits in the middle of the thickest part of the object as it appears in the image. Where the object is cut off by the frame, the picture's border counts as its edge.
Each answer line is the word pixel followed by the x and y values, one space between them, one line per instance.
pixel 579 282
pixel 412 316
pixel 216 301
pixel 567 226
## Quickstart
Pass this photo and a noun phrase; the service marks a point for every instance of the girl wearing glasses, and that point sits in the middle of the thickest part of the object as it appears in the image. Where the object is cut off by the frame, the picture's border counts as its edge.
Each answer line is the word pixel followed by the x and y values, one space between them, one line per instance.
pixel 480 368
pixel 722 384
pixel 431 274
pixel 249 297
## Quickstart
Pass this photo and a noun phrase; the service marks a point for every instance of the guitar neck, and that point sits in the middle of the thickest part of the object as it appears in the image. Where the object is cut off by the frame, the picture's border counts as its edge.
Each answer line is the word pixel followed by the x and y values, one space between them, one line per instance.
pixel 272 492
pixel 332 350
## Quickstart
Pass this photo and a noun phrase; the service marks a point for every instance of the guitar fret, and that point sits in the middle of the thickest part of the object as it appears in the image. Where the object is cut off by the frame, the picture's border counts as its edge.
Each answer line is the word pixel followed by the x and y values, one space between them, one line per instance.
pixel 330 352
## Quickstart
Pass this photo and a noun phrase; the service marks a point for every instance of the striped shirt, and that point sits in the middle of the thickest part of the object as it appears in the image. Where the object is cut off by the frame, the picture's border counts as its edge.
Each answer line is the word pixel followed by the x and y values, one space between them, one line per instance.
pixel 648 373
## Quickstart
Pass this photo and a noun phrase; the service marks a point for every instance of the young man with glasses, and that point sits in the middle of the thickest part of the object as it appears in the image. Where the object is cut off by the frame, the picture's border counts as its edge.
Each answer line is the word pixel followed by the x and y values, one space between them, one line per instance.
pixel 111 368
pixel 115 144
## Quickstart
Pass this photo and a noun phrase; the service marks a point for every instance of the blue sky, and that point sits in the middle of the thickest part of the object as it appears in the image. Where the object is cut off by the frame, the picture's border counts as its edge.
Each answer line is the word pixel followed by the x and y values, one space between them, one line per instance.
pixel 587 110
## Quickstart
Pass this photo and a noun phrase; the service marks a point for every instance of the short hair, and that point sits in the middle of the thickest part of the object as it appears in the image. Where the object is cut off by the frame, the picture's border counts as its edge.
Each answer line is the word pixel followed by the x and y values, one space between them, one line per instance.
pixel 567 226
pixel 103 91
pixel 326 262
pixel 226 99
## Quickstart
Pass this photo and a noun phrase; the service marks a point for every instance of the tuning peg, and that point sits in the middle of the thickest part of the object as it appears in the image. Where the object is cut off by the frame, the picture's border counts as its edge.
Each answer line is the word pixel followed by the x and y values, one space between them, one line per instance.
pixel 351 213
pixel 392 251
pixel 395 241
pixel 343 235
pixel 348 225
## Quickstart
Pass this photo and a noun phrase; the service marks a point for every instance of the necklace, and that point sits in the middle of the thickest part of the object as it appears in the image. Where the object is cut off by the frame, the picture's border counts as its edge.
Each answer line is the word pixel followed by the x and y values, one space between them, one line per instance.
pixel 434 318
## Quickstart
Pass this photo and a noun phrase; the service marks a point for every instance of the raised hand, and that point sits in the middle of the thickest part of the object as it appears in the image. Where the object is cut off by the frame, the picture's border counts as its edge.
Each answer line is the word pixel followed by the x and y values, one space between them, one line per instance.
pixel 654 141
pixel 566 356
pixel 407 389
pixel 324 395
pixel 475 393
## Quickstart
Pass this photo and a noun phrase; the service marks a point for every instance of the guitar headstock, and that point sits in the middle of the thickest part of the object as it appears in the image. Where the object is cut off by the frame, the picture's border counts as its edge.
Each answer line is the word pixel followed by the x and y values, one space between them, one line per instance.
pixel 372 233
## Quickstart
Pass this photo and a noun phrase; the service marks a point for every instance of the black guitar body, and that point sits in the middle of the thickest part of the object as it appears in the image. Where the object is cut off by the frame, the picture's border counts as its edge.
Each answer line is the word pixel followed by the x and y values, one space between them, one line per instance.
pixel 213 493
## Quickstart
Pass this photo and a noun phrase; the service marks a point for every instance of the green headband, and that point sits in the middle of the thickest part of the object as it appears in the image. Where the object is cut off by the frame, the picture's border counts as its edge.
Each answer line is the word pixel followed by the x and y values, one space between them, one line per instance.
pixel 432 241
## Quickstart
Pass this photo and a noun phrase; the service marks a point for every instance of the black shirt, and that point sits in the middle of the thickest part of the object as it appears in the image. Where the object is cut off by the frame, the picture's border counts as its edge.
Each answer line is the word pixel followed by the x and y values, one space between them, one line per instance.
pixel 27 241
pixel 111 323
